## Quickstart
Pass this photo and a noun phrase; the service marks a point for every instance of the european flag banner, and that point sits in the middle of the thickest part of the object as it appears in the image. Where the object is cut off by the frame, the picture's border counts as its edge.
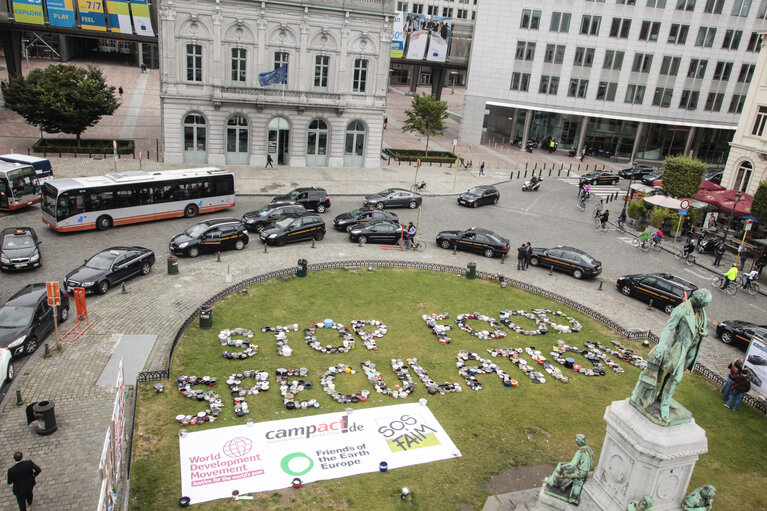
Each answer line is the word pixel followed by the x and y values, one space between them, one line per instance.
pixel 279 75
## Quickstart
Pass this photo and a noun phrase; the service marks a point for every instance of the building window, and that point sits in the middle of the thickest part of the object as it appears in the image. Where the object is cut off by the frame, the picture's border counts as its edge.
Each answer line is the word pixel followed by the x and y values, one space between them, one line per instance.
pixel 432 10
pixel 722 70
pixel 714 6
pixel 355 139
pixel 606 91
pixel 714 102
pixel 194 133
pixel 689 99
pixel 525 51
pixel 239 61
pixel 530 19
pixel 578 88
pixel 560 22
pixel 402 6
pixel 662 97
pixel 473 15
pixel 418 8
pixel 743 177
pixel 678 33
pixel 620 27
pixel 194 62
pixel 670 65
pixel 625 2
pixel 658 4
pixel 685 5
pixel 762 12
pixel 732 39
pixel 520 81
pixel 463 14
pixel 635 94
pixel 697 68
pixel 613 60
pixel 649 31
pixel 447 12
pixel 736 105
pixel 642 63
pixel 746 73
pixel 281 58
pixel 360 75
pixel 754 42
pixel 321 68
pixel 549 85
pixel 706 37
pixel 554 53
pixel 584 57
pixel 741 8
pixel 590 24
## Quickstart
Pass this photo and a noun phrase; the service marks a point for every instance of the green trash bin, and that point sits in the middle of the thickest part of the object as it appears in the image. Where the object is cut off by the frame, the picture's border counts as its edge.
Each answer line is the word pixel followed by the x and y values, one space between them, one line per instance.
pixel 206 318
pixel 172 265
pixel 302 264
pixel 471 271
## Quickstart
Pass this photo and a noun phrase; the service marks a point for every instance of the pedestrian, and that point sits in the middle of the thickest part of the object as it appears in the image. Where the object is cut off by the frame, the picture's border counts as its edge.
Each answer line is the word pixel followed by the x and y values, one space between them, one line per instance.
pixel 120 91
pixel 581 184
pixel 735 368
pixel 528 255
pixel 22 476
pixel 739 389
pixel 718 253
pixel 598 208
pixel 143 68
pixel 269 161
pixel 482 169
pixel 583 153
pixel 521 256
pixel 386 121
pixel 745 254
pixel 760 263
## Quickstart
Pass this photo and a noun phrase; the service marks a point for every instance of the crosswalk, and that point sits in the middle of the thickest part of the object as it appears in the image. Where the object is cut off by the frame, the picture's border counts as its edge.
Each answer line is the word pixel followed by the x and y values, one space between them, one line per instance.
pixel 601 191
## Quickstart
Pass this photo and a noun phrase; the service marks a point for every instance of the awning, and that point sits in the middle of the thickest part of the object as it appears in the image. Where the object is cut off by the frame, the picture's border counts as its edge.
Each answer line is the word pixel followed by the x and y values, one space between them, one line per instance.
pixel 672 203
pixel 643 188
pixel 708 185
pixel 725 200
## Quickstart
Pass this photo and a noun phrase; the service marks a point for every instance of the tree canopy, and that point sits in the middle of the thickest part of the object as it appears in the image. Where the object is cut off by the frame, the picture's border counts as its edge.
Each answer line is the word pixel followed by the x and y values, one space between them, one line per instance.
pixel 61 98
pixel 682 175
pixel 759 206
pixel 426 116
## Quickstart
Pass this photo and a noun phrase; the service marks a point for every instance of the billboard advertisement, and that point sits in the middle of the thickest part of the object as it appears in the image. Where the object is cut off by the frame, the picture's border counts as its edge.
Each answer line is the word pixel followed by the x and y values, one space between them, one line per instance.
pixel 28 11
pixel 61 13
pixel 756 361
pixel 421 36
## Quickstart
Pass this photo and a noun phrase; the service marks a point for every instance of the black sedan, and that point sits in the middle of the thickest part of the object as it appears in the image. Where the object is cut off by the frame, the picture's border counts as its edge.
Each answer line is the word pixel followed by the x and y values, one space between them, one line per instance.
pixel 599 177
pixel 475 239
pixel 567 259
pixel 739 331
pixel 479 196
pixel 257 220
pixel 663 290
pixel 19 249
pixel 110 267
pixel 636 172
pixel 393 198
pixel 288 230
pixel 345 221
pixel 26 319
pixel 377 231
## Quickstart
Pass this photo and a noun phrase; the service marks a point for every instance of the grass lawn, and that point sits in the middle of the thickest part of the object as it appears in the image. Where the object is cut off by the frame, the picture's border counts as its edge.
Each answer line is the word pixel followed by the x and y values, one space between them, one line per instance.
pixel 495 428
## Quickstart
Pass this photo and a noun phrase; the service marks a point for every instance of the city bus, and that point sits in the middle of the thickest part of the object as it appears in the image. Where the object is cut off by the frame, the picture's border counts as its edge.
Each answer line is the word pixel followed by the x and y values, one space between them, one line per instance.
pixel 18 186
pixel 42 166
pixel 122 198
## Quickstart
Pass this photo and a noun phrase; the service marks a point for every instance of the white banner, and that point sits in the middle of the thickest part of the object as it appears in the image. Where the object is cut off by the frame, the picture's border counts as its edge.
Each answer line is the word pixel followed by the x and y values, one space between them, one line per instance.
pixel 756 361
pixel 269 455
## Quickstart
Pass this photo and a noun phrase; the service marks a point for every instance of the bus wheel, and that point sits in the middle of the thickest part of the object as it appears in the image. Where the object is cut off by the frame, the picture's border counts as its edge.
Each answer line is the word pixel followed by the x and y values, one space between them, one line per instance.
pixel 190 211
pixel 103 223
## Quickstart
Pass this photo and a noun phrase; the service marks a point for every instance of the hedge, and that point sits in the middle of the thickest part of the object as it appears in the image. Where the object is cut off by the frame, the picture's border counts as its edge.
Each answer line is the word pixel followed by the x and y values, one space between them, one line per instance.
pixel 418 154
pixel 87 146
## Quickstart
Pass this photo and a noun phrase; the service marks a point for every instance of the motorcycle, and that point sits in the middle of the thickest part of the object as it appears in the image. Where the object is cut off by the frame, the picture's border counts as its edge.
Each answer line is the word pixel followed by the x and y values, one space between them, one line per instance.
pixel 532 185
pixel 707 244
pixel 529 146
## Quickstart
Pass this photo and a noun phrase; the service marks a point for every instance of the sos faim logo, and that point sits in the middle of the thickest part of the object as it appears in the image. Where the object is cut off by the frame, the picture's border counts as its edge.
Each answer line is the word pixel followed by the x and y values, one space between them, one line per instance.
pixel 407 432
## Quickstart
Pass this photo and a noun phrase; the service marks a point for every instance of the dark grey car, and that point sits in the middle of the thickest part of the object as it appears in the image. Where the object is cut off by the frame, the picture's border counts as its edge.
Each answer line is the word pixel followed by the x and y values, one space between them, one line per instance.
pixel 26 319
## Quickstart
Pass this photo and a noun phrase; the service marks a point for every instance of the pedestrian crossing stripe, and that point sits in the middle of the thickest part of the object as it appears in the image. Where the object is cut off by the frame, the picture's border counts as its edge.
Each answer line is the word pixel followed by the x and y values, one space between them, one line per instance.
pixel 598 190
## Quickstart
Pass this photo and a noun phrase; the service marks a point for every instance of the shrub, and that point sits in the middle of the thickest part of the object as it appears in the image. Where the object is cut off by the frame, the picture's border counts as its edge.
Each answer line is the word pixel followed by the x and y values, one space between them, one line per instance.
pixel 87 146
pixel 418 154
pixel 637 208
pixel 657 216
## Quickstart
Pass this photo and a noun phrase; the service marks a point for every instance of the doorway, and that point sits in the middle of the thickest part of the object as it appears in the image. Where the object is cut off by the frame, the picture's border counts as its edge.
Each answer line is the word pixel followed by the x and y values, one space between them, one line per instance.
pixel 278 140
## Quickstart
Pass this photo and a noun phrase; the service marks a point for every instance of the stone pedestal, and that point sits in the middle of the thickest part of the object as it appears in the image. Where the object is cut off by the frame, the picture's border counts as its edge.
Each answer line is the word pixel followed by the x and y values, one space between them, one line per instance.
pixel 641 458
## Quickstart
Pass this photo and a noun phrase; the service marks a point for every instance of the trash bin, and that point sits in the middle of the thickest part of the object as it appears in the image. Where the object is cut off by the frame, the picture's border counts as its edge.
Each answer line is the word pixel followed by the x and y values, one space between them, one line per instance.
pixel 172 265
pixel 44 414
pixel 471 271
pixel 206 318
pixel 301 273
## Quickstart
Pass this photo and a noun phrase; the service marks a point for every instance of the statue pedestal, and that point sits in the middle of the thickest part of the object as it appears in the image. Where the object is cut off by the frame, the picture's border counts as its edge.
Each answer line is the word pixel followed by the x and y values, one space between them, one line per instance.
pixel 641 458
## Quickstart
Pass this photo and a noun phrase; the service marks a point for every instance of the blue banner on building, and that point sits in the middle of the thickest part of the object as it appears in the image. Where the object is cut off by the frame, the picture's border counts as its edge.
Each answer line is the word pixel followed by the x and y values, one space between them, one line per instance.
pixel 61 13
pixel 279 75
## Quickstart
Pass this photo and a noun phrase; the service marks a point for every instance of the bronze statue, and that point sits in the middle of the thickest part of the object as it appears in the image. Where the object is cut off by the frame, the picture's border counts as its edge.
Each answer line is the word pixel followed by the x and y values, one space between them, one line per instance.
pixel 567 480
pixel 677 350
pixel 644 504
pixel 700 499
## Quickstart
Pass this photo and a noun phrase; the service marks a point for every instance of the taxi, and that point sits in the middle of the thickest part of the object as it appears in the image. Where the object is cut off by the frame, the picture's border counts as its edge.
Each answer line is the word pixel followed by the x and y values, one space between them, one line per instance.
pixel 599 177
pixel 567 259
pixel 477 240
pixel 665 291
pixel 210 236
pixel 19 249
pixel 289 230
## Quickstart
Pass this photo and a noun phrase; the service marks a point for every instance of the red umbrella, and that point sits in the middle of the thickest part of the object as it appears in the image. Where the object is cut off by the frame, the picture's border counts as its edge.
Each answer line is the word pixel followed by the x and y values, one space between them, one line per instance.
pixel 726 199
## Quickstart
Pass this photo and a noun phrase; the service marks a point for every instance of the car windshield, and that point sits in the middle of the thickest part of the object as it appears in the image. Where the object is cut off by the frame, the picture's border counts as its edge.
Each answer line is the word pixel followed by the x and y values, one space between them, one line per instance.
pixel 14 316
pixel 475 191
pixel 102 261
pixel 284 222
pixel 356 212
pixel 293 194
pixel 386 193
pixel 263 210
pixel 196 230
pixel 14 241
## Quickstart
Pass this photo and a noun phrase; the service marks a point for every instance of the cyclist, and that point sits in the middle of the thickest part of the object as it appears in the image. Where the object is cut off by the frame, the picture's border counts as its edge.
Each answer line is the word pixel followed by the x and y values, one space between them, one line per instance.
pixel 621 219
pixel 644 237
pixel 730 276
pixel 410 236
pixel 598 208
pixel 658 238
pixel 604 218
pixel 749 278
pixel 587 190
pixel 582 200
pixel 689 248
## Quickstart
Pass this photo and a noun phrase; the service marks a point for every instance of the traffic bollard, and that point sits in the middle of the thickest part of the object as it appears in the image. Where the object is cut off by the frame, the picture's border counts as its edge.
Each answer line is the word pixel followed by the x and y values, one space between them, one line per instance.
pixel 265 249
pixel 600 286
pixel 122 289
pixel 19 400
pixel 218 256
pixel 551 270
pixel 47 351
pixel 649 305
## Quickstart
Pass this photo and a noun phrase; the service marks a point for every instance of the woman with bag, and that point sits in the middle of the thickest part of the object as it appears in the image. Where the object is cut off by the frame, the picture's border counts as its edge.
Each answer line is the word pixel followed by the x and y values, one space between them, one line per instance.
pixel 740 387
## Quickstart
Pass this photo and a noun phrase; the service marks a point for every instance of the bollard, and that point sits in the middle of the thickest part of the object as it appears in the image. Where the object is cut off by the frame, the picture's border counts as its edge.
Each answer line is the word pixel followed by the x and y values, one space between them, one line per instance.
pixel 518 174
pixel 503 258
pixel 551 270
pixel 218 256
pixel 359 241
pixel 172 265
pixel 559 172
pixel 471 271
pixel 552 168
pixel 649 305
pixel 265 249
pixel 526 165
pixel 122 289
pixel 19 400
pixel 568 170
pixel 600 286
pixel 206 317
pixel 47 351
pixel 454 249
pixel 313 244
pixel 525 174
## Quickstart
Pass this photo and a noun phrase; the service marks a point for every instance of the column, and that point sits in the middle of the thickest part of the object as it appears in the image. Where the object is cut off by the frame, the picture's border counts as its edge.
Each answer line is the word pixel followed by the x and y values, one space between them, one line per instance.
pixel 689 141
pixel 11 42
pixel 582 135
pixel 526 131
pixel 437 80
pixel 637 137
pixel 514 123
pixel 415 76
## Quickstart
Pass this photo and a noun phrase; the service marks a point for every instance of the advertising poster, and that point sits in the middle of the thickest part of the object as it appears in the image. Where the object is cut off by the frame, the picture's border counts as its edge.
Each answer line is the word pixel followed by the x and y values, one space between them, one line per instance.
pixel 419 37
pixel 270 455
pixel 28 11
pixel 61 13
pixel 92 15
pixel 398 37
pixel 439 32
pixel 416 35
pixel 119 16
pixel 756 361
pixel 141 20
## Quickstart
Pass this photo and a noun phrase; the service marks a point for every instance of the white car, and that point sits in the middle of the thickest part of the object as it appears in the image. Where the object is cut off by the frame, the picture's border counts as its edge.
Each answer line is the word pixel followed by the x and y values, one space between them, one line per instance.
pixel 6 366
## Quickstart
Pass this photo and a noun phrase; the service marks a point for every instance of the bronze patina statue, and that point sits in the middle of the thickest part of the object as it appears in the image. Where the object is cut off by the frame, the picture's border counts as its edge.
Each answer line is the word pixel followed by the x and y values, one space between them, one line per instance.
pixel 567 480
pixel 700 499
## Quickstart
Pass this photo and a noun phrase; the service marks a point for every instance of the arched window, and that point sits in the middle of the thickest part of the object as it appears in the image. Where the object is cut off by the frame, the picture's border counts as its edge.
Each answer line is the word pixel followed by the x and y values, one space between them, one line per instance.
pixel 195 138
pixel 317 142
pixel 237 135
pixel 743 176
pixel 354 147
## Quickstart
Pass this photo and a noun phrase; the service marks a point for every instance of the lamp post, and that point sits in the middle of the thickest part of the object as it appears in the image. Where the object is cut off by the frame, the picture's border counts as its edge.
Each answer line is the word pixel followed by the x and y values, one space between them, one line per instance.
pixel 738 196
pixel 628 192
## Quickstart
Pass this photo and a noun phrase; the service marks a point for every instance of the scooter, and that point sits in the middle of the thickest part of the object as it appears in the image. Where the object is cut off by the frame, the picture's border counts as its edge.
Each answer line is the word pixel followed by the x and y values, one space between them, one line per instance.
pixel 532 185
pixel 529 146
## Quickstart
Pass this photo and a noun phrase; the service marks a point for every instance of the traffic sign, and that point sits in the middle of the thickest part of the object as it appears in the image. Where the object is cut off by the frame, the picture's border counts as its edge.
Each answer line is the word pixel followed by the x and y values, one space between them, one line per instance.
pixel 52 292
pixel 683 212
pixel 685 204
pixel 749 224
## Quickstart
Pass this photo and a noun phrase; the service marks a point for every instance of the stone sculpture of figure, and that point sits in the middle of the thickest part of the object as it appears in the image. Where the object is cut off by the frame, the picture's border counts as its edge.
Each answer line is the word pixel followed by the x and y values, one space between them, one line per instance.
pixel 568 477
pixel 644 504
pixel 677 350
pixel 700 499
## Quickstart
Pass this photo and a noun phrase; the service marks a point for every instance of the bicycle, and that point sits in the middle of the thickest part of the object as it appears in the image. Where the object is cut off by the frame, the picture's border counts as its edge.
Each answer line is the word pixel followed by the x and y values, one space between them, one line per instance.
pixel 637 243
pixel 418 245
pixel 418 187
pixel 656 245
pixel 718 281
pixel 598 225
pixel 689 258
pixel 751 287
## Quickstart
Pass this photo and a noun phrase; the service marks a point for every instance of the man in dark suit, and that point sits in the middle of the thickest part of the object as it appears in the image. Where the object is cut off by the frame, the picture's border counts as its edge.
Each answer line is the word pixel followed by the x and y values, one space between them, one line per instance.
pixel 22 477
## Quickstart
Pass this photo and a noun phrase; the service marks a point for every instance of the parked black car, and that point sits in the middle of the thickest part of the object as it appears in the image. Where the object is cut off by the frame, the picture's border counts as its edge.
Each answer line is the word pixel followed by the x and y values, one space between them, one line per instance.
pixel 212 235
pixel 19 249
pixel 599 177
pixel 475 239
pixel 739 331
pixel 257 220
pixel 567 259
pixel 393 198
pixel 636 172
pixel 26 318
pixel 377 231
pixel 110 267
pixel 714 175
pixel 359 216
pixel 652 176
pixel 311 198
pixel 479 196
pixel 666 291
pixel 288 230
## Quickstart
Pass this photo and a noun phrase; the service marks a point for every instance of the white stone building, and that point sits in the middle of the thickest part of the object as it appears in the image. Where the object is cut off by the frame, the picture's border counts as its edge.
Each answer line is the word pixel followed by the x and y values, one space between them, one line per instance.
pixel 329 113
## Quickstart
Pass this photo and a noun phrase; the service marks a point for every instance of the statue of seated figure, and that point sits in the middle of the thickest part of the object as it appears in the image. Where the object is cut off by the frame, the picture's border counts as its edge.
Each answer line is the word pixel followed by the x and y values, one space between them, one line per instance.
pixel 568 478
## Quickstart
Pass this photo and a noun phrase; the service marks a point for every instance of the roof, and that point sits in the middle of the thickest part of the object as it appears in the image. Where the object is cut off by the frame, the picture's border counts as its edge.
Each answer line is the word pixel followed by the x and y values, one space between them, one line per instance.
pixel 133 176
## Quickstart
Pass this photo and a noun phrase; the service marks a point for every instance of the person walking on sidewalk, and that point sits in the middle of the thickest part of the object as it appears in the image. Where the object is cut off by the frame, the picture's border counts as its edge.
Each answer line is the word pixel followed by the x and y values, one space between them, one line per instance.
pixel 718 253
pixel 745 254
pixel 269 161
pixel 528 255
pixel 482 169
pixel 386 121
pixel 22 476
pixel 120 91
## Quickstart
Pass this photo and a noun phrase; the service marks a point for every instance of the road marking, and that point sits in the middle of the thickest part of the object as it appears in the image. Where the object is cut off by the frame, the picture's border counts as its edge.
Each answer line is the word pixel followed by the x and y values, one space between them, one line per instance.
pixel 757 308
pixel 626 239
pixel 705 277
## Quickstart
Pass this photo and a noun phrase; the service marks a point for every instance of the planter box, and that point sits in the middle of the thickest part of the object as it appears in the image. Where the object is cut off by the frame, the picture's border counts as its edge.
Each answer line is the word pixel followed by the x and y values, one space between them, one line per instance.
pixel 632 221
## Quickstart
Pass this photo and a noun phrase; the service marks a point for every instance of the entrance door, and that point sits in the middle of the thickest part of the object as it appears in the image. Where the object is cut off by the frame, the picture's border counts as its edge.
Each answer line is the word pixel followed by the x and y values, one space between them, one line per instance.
pixel 354 147
pixel 278 140
pixel 195 139
pixel 237 140
pixel 317 143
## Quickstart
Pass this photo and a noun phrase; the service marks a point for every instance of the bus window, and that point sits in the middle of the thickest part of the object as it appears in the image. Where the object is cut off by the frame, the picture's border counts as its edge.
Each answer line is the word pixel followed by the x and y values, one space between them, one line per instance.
pixel 99 200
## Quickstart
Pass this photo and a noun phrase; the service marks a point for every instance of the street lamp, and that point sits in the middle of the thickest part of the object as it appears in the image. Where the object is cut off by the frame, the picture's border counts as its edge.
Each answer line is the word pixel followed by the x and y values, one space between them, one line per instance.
pixel 738 196
pixel 628 192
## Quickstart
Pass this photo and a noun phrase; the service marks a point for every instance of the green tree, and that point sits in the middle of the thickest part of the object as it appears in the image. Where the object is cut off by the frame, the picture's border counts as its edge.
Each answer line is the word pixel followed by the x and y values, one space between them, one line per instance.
pixel 61 99
pixel 759 206
pixel 426 116
pixel 682 175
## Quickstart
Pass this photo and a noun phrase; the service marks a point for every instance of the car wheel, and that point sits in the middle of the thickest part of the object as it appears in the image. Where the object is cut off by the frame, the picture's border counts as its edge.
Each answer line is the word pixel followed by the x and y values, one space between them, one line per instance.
pixel 320 208
pixel 260 227
pixel 190 211
pixel 239 245
pixel 10 373
pixel 362 240
pixel 103 287
pixel 726 337
pixel 63 314
pixel 534 261
pixel 31 345
pixel 615 181
pixel 103 223
pixel 319 235
pixel 626 290
pixel 193 252
pixel 380 205
pixel 475 204
pixel 280 242
pixel 413 204
pixel 578 273
pixel 444 244
pixel 668 308
pixel 495 201
pixel 488 252
pixel 146 268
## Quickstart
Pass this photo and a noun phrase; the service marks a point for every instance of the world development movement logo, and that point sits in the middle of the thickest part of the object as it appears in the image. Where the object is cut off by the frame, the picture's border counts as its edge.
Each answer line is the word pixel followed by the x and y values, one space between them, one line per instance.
pixel 238 447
